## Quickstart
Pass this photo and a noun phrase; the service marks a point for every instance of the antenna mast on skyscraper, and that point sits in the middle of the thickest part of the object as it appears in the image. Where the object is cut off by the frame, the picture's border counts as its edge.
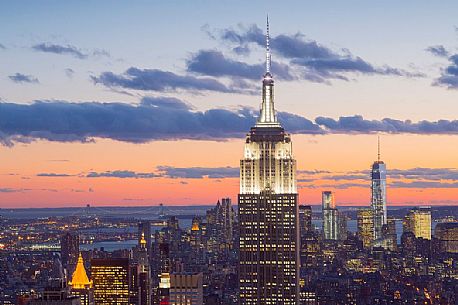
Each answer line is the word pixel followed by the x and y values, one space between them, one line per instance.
pixel 268 47
pixel 378 148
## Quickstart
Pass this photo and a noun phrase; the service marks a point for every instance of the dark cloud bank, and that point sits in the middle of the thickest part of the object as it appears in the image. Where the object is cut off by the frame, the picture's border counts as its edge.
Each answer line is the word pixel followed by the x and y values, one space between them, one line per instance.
pixel 296 58
pixel 312 61
pixel 172 119
pixel 158 80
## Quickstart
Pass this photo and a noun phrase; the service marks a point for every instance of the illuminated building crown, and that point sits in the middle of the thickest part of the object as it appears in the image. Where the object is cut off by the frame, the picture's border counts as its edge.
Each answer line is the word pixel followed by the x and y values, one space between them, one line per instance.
pixel 79 278
pixel 143 240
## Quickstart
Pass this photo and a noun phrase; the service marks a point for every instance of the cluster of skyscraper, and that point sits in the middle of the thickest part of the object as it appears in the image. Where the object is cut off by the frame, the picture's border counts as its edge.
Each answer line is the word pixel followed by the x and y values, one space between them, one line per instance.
pixel 276 236
pixel 269 215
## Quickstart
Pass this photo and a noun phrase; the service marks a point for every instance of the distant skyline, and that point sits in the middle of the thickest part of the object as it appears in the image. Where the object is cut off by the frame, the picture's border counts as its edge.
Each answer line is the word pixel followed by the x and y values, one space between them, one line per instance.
pixel 148 102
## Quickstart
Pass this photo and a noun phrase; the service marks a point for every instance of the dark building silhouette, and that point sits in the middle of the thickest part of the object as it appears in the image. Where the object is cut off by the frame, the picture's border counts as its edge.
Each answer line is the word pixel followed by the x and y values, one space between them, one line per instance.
pixel 69 249
pixel 305 219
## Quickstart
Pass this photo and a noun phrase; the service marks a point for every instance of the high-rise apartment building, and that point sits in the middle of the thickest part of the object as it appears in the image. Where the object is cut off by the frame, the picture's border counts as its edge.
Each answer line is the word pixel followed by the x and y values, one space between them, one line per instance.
pixel 378 198
pixel 330 216
pixel 163 290
pixel 418 221
pixel 305 219
pixel 111 281
pixel 342 229
pixel 140 274
pixel 366 227
pixel 447 235
pixel 268 211
pixel 144 229
pixel 69 249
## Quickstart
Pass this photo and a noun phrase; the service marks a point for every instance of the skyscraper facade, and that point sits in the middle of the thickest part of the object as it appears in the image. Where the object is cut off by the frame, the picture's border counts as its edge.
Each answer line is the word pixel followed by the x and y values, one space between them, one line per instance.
pixel 366 227
pixel 418 221
pixel 389 240
pixel 447 235
pixel 111 281
pixel 69 249
pixel 268 211
pixel 330 217
pixel 342 229
pixel 144 229
pixel 305 219
pixel 143 273
pixel 378 199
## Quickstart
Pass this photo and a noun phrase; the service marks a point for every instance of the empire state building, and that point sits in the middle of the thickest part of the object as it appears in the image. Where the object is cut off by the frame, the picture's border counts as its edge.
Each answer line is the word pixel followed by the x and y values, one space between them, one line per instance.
pixel 268 211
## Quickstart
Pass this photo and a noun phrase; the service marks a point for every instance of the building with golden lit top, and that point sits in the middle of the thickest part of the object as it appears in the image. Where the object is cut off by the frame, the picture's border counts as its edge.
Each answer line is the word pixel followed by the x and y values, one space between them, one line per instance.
pixel 80 285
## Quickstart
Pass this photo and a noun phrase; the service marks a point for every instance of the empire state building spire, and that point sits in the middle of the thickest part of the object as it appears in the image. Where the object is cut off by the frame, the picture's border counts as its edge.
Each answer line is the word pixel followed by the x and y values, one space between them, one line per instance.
pixel 268 117
pixel 268 57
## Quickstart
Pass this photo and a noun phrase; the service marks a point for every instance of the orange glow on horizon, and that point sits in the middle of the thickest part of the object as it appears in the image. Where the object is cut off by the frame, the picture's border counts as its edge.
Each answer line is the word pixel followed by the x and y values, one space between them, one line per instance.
pixel 337 154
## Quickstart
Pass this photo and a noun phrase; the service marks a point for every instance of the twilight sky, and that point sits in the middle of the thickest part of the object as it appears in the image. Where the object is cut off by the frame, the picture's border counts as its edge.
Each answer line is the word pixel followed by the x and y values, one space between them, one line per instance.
pixel 147 102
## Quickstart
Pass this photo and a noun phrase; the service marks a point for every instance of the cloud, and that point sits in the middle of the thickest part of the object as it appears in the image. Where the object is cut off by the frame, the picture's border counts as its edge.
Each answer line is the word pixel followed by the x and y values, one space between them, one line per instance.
pixel 161 81
pixel 122 174
pixel 152 119
pixel 69 72
pixel 69 50
pixel 165 118
pixel 423 184
pixel 421 173
pixel 53 175
pixel 60 49
pixel 357 124
pixel 10 190
pixel 326 68
pixel 101 53
pixel 199 172
pixel 214 63
pixel 22 78
pixel 166 103
pixel 347 176
pixel 164 171
pixel 298 124
pixel 2 47
pixel 449 75
pixel 319 62
pixel 438 50
pixel 22 190
pixel 241 50
pixel 340 186
pixel 313 172
pixel 422 178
